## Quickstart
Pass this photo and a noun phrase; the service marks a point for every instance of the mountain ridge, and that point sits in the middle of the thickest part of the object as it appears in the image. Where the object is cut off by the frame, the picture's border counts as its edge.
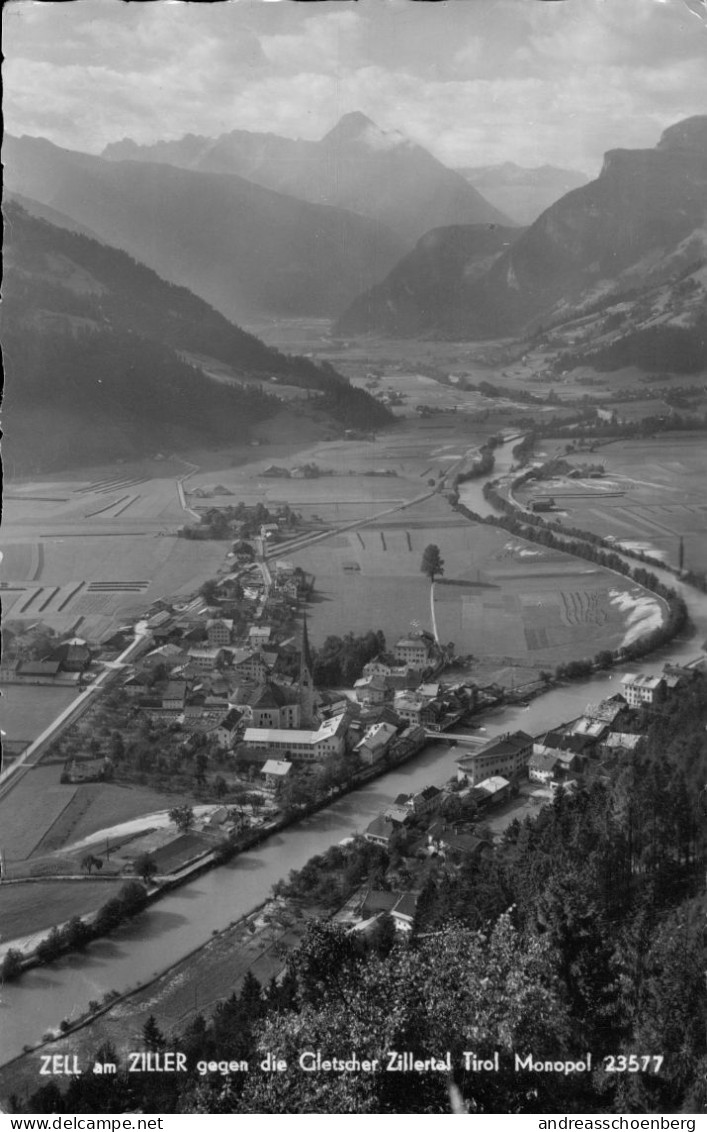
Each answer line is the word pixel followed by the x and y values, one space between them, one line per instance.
pixel 356 165
pixel 244 249
pixel 636 224
pixel 98 345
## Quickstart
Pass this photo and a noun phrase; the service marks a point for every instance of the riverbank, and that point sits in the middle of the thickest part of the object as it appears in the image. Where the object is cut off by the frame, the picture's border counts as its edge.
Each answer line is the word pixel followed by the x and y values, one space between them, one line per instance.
pixel 256 943
pixel 25 947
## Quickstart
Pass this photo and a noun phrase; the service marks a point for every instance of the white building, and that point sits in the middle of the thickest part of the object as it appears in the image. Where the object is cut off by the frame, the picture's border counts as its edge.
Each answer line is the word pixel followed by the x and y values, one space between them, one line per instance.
pixel 375 742
pixel 414 651
pixel 639 689
pixel 508 755
pixel 275 772
pixel 307 746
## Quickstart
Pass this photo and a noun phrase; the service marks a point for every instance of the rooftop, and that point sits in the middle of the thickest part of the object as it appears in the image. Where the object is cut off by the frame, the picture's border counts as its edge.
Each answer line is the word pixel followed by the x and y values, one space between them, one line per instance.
pixel 278 767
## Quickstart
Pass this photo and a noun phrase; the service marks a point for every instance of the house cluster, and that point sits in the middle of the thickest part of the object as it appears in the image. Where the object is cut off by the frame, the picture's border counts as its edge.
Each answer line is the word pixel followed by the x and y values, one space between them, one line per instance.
pixel 403 681
pixel 64 662
pixel 299 472
pixel 249 688
pixel 217 676
pixel 400 814
pixel 237 521
pixel 611 729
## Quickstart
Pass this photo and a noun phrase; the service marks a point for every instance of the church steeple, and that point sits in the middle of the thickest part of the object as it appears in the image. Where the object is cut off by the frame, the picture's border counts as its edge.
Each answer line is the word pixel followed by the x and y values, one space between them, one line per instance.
pixel 306 682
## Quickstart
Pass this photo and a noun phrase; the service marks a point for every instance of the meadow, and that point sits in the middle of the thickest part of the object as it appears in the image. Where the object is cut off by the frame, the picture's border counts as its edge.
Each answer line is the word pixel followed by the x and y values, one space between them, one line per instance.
pixel 652 496
pixel 26 711
pixel 500 597
pixel 64 542
pixel 34 907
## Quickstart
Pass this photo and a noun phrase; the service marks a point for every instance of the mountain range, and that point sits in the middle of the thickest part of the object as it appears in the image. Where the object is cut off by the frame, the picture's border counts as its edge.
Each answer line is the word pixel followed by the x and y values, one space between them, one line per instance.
pixel 104 359
pixel 356 166
pixel 641 224
pixel 523 194
pixel 246 250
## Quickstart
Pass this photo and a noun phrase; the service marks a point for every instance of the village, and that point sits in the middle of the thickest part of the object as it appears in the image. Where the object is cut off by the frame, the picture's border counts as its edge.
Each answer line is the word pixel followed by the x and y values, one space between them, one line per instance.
pixel 224 704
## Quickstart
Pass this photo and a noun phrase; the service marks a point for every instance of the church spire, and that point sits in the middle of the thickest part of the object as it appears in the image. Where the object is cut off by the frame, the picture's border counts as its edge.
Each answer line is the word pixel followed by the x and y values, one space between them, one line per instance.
pixel 306 653
pixel 306 682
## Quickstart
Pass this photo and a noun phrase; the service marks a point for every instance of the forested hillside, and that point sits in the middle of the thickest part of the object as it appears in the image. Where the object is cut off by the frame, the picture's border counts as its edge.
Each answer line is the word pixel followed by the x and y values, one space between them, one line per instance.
pixel 95 347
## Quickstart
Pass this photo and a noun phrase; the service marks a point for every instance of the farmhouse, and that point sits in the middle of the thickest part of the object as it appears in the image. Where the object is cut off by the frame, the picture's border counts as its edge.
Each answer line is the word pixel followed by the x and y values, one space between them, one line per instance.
pixel 275 772
pixel 169 655
pixel 509 755
pixel 136 685
pixel 370 690
pixel 399 813
pixel 495 789
pixel 259 635
pixel 206 658
pixel 614 711
pixel 380 831
pixel 443 838
pixel 249 665
pixel 425 800
pixel 38 669
pixel 383 665
pixel 375 742
pixel 73 656
pixel 570 750
pixel 409 707
pixel 541 768
pixel 410 741
pixel 227 730
pixel 414 651
pixel 400 905
pixel 622 743
pixel 219 632
pixel 676 676
pixel 545 503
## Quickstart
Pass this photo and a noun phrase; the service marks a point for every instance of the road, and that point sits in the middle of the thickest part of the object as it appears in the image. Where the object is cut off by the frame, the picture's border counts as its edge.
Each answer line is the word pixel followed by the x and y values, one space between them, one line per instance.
pixel 303 541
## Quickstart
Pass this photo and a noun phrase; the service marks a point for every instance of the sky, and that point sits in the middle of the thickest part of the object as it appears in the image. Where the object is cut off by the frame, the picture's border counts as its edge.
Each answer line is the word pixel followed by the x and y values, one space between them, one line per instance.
pixel 477 82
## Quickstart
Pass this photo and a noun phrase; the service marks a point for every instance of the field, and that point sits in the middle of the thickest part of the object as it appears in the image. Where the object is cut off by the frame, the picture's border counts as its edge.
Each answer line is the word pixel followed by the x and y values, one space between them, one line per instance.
pixel 500 597
pixel 63 814
pixel 34 907
pixel 27 711
pixel 652 496
pixel 84 555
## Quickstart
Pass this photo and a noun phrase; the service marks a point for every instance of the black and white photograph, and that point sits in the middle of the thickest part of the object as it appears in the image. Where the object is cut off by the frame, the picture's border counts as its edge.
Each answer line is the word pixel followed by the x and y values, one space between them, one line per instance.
pixel 353 560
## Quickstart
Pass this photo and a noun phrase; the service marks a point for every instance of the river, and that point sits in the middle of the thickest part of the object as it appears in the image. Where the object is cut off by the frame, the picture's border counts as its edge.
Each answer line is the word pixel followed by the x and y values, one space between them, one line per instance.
pixel 187 917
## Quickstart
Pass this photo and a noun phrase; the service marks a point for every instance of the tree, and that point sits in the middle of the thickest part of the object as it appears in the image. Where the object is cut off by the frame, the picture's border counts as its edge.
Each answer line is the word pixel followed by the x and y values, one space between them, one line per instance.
pixel 90 862
pixel 50 947
pixel 11 967
pixel 183 817
pixel 145 867
pixel 152 1036
pixel 432 563
pixel 209 591
pixel 76 933
pixel 201 762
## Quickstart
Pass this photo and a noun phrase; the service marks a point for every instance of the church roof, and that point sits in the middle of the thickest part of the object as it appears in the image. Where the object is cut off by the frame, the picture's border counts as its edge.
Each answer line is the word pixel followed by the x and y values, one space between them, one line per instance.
pixel 271 696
